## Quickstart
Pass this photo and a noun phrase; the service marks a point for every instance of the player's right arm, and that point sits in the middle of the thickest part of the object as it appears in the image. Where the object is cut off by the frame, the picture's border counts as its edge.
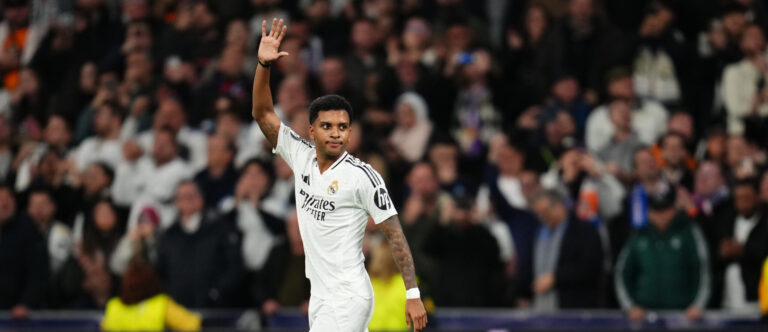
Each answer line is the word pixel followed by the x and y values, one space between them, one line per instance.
pixel 263 111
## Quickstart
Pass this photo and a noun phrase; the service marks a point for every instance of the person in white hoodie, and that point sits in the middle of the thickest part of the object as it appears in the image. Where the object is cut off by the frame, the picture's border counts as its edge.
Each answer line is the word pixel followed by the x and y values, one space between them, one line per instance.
pixel 413 127
pixel 169 115
pixel 106 145
pixel 151 178
pixel 744 83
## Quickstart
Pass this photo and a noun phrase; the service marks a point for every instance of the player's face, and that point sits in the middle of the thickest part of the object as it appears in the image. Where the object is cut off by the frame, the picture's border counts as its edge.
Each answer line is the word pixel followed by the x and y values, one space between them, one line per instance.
pixel 330 131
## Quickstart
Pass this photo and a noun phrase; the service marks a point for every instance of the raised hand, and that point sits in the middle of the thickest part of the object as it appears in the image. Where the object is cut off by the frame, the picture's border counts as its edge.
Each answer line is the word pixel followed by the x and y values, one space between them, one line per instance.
pixel 270 42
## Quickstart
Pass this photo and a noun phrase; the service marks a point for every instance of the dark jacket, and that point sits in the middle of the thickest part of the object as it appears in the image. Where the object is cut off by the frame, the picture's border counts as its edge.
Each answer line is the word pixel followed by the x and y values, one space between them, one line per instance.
pixel 664 270
pixel 755 252
pixel 216 189
pixel 469 268
pixel 579 270
pixel 202 269
pixel 23 264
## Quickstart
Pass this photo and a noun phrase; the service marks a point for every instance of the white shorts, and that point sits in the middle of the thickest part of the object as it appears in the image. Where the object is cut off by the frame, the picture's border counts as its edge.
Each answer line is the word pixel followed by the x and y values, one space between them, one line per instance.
pixel 340 315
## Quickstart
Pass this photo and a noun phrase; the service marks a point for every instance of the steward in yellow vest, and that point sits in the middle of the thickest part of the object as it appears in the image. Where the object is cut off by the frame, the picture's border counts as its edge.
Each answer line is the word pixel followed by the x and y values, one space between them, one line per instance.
pixel 142 307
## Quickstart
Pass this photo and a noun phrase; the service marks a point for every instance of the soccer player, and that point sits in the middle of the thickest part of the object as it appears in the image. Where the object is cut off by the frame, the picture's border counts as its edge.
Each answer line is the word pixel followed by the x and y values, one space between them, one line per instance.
pixel 335 195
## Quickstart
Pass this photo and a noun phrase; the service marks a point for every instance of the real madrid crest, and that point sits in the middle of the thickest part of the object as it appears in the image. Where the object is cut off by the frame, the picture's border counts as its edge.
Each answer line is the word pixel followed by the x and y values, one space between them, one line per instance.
pixel 333 188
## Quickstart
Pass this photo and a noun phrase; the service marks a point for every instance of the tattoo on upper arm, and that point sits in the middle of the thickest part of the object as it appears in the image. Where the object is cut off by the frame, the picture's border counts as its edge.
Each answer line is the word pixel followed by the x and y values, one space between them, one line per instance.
pixel 270 131
pixel 400 250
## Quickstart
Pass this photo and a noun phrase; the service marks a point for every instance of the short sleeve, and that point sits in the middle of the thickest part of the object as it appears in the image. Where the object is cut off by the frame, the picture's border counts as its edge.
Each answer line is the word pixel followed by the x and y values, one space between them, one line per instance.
pixel 290 145
pixel 373 195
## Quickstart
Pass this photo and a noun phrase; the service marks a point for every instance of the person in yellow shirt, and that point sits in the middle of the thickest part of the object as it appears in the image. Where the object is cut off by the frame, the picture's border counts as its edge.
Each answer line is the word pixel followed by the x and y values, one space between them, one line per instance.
pixel 142 306
pixel 388 291
pixel 763 296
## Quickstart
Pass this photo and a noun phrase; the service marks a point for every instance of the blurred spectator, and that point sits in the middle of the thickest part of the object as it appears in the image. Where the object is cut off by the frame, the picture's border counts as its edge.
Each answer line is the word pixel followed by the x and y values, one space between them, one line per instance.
pixel 741 159
pixel 6 152
pixel 658 71
pixel 506 166
pixel 54 172
pixel 413 127
pixel 294 286
pixel 199 259
pixel 41 210
pixel 764 188
pixel 94 186
pixel 673 276
pixel 20 39
pixel 229 126
pixel 566 94
pixel 567 258
pixel 218 179
pixel 444 155
pixel 649 118
pixel 421 213
pixel 194 33
pixel 476 119
pixel 261 232
pixel 417 43
pixel 106 146
pixel 674 154
pixel 619 153
pixel 364 58
pixel 744 91
pixel 229 81
pixel 741 230
pixel 590 44
pixel 170 116
pixel 291 96
pixel 24 258
pixel 598 195
pixel 153 178
pixel 460 243
pixel 388 290
pixel 648 176
pixel 548 134
pixel 102 230
pixel 533 57
pixel 709 189
pixel 334 80
pixel 143 306
pixel 138 245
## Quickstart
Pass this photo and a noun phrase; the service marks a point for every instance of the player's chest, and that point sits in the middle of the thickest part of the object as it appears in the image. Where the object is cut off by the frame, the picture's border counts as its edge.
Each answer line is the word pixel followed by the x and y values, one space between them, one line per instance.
pixel 324 193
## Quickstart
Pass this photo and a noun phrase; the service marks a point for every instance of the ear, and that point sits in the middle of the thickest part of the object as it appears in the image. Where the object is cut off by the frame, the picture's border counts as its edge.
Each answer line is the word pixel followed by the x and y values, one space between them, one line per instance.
pixel 311 132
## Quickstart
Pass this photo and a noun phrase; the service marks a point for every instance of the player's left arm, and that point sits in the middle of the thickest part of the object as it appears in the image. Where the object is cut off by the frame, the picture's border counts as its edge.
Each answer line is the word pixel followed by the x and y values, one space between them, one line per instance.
pixel 415 314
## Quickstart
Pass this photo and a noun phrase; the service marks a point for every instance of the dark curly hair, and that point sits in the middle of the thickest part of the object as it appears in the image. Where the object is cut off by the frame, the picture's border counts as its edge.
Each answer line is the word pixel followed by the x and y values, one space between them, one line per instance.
pixel 328 103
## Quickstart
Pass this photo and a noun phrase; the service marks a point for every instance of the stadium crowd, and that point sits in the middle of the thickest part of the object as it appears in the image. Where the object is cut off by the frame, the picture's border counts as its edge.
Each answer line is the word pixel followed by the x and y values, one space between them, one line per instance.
pixel 546 154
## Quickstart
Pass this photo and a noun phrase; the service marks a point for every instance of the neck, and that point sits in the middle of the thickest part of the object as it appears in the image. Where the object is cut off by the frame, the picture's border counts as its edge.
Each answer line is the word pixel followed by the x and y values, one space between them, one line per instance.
pixel 748 215
pixel 649 184
pixel 186 218
pixel 113 134
pixel 325 161
pixel 622 134
pixel 161 163
pixel 217 170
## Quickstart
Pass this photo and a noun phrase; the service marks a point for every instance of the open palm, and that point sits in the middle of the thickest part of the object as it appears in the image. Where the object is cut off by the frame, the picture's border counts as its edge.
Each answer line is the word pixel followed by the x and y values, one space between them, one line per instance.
pixel 270 42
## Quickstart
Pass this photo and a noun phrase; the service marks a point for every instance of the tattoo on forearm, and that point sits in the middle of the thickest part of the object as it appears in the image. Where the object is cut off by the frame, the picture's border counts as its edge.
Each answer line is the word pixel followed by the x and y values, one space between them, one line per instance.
pixel 400 250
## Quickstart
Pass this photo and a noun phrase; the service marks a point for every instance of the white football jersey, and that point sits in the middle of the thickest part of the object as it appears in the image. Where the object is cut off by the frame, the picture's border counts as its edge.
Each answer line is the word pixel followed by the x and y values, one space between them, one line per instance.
pixel 333 210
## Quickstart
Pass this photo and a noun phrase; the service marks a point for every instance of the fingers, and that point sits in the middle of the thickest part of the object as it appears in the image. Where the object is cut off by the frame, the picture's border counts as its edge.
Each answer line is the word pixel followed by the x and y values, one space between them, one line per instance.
pixel 274 26
pixel 422 322
pixel 263 29
pixel 282 32
pixel 282 54
pixel 408 320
